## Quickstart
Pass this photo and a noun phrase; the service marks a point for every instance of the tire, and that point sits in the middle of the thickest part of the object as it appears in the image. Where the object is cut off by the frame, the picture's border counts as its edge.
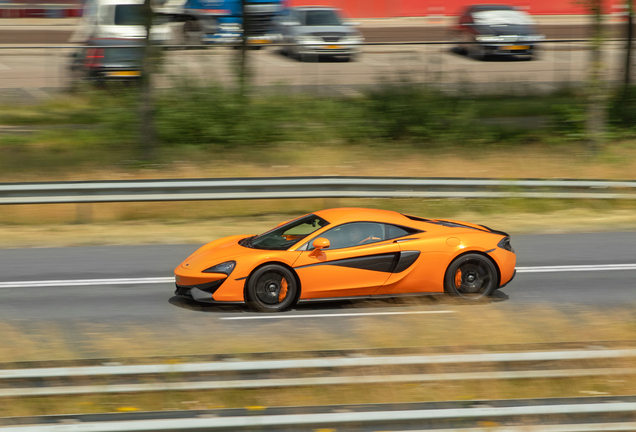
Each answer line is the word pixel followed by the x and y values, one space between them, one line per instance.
pixel 477 52
pixel 271 288
pixel 471 277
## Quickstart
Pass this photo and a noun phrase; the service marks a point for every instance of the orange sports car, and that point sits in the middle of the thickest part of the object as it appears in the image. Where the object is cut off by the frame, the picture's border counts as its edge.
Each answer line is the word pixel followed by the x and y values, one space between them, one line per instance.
pixel 348 253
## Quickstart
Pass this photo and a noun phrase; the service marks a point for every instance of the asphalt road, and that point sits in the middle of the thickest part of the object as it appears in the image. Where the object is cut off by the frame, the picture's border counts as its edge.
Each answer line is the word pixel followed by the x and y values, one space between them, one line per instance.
pixel 38 73
pixel 34 35
pixel 73 300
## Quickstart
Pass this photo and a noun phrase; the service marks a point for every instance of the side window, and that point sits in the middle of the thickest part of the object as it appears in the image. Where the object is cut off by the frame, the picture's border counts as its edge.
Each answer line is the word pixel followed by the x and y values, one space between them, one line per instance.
pixel 354 234
pixel 394 231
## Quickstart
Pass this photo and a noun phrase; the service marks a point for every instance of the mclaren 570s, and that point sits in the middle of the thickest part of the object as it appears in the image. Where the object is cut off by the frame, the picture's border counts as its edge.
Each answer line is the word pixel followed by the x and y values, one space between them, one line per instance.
pixel 348 253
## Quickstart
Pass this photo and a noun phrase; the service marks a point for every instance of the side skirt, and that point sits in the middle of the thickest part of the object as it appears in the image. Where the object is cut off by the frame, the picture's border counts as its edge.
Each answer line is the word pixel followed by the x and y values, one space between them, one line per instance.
pixel 372 297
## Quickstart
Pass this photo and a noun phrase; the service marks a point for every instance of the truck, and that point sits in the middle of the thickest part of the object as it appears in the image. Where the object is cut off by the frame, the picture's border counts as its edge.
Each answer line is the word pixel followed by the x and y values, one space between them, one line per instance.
pixel 221 21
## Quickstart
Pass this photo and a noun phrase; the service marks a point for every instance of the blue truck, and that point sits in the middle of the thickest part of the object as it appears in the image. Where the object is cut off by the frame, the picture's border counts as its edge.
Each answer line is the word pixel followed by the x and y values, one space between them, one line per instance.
pixel 221 21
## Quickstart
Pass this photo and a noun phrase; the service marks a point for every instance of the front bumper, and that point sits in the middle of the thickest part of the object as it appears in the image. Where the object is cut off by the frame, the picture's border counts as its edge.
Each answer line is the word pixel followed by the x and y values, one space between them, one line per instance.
pixel 199 295
pixel 334 49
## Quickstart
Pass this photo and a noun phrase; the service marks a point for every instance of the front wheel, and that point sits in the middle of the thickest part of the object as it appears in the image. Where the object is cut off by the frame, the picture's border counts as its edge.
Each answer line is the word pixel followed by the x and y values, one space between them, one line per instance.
pixel 271 288
pixel 471 276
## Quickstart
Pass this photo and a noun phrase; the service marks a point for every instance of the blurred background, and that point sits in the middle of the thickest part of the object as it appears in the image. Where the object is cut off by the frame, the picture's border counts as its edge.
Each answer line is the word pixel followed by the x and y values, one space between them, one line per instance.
pixel 132 132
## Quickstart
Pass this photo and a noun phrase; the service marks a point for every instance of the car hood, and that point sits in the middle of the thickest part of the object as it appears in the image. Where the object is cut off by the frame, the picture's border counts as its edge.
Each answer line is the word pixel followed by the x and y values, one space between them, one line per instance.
pixel 217 252
pixel 326 31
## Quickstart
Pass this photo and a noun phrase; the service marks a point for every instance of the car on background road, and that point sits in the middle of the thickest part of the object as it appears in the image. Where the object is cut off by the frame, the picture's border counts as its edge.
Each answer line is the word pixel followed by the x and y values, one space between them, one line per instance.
pixel 348 253
pixel 107 60
pixel 317 30
pixel 496 30
pixel 123 19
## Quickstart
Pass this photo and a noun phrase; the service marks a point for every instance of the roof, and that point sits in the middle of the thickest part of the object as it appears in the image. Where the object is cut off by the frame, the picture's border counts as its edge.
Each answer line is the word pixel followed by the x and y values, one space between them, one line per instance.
pixel 351 214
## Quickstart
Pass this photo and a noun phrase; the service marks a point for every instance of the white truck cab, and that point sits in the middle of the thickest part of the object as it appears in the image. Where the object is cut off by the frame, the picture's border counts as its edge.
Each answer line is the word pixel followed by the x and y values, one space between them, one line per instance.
pixel 121 19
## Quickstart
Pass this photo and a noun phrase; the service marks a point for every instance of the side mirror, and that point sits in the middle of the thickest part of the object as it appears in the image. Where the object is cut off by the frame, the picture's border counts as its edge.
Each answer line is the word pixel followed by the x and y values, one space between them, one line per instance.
pixel 321 243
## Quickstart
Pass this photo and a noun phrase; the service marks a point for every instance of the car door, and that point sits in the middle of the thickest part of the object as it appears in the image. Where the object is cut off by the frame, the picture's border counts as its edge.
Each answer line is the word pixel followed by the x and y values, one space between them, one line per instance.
pixel 358 261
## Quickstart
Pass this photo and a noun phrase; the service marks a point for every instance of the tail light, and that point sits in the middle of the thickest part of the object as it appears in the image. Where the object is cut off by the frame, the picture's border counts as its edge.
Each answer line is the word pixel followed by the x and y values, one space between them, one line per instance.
pixel 505 244
pixel 94 57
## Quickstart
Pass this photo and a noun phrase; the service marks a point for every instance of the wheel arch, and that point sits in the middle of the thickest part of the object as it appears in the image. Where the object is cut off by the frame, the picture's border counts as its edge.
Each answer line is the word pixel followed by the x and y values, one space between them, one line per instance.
pixel 484 254
pixel 280 263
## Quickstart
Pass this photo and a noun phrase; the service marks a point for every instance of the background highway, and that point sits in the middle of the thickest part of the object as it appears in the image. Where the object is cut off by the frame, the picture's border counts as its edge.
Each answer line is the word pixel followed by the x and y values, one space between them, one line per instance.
pixel 38 73
pixel 154 303
pixel 41 72
pixel 60 34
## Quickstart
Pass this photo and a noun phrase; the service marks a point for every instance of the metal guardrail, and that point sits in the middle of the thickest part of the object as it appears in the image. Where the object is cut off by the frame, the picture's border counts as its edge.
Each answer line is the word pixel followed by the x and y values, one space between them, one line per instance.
pixel 547 415
pixel 544 415
pixel 309 187
pixel 258 374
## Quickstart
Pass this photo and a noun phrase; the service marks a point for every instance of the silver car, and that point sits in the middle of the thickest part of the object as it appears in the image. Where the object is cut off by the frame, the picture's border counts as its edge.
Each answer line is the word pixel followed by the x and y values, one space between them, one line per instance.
pixel 317 31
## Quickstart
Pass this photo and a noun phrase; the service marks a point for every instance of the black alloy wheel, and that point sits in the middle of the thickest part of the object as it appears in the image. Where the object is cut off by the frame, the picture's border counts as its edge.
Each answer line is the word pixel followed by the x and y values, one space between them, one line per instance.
pixel 272 288
pixel 471 277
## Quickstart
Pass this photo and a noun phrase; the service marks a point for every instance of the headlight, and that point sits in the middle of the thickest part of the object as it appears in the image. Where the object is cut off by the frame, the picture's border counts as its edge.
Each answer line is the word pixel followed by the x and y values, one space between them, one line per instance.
pixel 488 38
pixel 309 39
pixel 359 39
pixel 225 268
pixel 230 27
pixel 505 244
pixel 534 38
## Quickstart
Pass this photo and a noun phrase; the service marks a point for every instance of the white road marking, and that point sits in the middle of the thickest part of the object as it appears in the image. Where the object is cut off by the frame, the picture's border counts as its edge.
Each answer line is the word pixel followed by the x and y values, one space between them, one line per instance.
pixel 87 282
pixel 282 316
pixel 158 280
pixel 576 268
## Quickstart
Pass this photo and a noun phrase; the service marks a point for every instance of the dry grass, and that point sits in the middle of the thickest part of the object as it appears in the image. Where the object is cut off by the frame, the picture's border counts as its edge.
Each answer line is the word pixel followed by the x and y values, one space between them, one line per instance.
pixel 469 325
pixel 180 231
pixel 571 160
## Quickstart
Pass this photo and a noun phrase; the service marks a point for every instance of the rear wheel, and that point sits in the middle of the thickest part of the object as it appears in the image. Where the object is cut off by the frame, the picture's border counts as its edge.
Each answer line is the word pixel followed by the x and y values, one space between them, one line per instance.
pixel 271 288
pixel 471 277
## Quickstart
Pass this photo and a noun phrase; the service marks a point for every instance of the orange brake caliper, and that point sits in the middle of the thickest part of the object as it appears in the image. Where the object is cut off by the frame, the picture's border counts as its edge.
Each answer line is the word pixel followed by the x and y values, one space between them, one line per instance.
pixel 283 290
pixel 458 278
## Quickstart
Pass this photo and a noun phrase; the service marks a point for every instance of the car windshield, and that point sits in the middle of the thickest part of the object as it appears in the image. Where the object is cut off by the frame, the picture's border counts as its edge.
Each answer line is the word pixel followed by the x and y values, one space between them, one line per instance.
pixel 499 17
pixel 285 236
pixel 131 14
pixel 322 18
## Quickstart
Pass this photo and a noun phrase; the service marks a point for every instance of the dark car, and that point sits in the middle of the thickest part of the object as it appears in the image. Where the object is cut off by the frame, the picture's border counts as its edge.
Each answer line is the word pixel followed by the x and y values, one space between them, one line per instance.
pixel 495 30
pixel 107 60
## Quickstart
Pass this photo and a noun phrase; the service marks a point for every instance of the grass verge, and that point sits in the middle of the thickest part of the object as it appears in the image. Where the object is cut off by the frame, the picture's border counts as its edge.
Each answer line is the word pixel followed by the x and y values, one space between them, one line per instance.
pixel 204 130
